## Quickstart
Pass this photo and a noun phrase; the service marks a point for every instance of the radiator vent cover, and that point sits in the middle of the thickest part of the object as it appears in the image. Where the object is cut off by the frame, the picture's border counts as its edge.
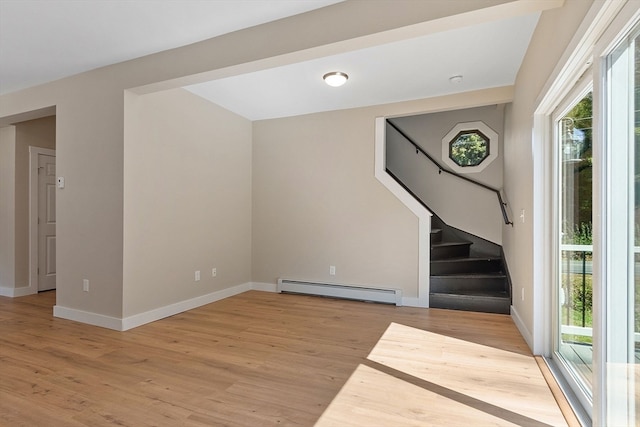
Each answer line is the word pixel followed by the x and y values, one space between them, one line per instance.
pixel 360 293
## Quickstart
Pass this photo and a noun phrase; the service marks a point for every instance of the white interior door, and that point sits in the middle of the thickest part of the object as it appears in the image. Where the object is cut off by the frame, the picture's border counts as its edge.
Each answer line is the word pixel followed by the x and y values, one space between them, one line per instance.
pixel 46 222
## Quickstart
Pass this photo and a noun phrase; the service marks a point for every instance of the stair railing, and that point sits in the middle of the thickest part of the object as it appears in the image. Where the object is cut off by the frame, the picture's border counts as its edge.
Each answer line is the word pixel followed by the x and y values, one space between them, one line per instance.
pixel 441 169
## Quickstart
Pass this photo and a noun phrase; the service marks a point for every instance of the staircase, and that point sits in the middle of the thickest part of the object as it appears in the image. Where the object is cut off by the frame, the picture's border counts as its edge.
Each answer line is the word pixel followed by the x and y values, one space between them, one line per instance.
pixel 467 271
pixel 462 279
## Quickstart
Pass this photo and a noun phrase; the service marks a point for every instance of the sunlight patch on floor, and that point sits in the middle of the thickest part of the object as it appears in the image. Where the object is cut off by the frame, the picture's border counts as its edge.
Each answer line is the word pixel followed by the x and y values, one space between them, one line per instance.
pixel 415 377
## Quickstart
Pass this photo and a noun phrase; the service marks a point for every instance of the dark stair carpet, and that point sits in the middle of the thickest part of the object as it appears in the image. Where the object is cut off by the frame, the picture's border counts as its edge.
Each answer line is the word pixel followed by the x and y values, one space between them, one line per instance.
pixel 460 281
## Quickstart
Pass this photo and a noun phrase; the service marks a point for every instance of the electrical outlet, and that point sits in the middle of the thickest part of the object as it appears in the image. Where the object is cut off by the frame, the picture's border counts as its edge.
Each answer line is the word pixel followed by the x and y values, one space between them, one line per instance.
pixel 214 272
pixel 197 275
pixel 332 270
pixel 85 285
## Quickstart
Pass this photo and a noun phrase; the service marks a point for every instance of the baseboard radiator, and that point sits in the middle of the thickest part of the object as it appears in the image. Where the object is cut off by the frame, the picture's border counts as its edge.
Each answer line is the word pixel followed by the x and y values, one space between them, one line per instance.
pixel 360 293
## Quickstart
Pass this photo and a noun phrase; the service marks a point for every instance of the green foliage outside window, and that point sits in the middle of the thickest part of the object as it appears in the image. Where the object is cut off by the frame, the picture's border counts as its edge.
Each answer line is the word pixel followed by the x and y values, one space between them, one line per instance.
pixel 469 148
pixel 579 123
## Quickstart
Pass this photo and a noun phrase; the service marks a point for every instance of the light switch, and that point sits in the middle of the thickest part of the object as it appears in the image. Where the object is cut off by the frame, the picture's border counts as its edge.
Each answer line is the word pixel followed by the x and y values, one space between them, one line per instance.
pixel 61 182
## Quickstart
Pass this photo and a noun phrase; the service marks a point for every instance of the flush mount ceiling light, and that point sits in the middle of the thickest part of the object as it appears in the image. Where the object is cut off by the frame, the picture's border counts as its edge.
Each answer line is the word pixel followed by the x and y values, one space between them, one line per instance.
pixel 335 78
pixel 455 80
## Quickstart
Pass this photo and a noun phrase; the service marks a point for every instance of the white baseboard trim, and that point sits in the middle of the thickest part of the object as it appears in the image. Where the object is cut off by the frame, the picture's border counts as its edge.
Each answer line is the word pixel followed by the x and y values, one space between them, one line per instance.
pixel 81 316
pixel 179 307
pixel 264 287
pixel 148 316
pixel 172 309
pixel 526 334
pixel 16 292
pixel 411 302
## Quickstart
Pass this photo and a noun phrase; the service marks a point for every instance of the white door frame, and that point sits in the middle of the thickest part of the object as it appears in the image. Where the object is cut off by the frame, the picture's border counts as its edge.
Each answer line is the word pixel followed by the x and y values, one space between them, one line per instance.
pixel 34 152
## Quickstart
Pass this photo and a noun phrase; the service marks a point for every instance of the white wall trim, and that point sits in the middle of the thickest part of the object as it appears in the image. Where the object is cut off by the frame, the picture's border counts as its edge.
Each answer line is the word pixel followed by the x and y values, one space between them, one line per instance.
pixel 544 251
pixel 411 302
pixel 424 216
pixel 81 316
pixel 140 319
pixel 23 291
pixel 526 334
pixel 34 152
pixel 179 307
pixel 264 287
pixel 6 291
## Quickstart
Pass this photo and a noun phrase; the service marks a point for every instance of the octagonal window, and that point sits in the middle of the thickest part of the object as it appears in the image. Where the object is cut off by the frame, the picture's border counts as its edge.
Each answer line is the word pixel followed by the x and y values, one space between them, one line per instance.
pixel 469 148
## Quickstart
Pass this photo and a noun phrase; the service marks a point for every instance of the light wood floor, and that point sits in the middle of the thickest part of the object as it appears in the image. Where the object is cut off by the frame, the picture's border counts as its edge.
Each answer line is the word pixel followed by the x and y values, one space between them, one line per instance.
pixel 262 359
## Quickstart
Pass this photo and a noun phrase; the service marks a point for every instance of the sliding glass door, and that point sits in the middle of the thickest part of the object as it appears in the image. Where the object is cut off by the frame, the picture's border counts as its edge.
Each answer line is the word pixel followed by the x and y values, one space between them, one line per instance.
pixel 593 233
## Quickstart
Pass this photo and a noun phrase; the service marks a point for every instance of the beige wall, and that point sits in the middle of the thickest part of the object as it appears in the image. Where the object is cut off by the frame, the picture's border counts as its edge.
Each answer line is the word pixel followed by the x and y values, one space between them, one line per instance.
pixel 451 198
pixel 317 203
pixel 187 203
pixel 555 30
pixel 7 210
pixel 89 151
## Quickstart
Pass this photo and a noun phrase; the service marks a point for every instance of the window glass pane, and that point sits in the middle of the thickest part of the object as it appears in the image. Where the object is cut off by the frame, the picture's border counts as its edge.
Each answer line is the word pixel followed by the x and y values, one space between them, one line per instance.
pixel 623 236
pixel 575 282
pixel 469 148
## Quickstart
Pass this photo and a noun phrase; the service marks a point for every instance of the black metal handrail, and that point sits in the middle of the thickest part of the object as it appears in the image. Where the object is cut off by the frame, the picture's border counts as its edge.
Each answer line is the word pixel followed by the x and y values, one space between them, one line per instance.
pixel 441 169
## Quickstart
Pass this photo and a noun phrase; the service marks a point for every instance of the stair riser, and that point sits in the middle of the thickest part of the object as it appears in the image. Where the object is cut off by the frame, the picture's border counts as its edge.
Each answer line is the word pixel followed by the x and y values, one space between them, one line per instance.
pixel 481 304
pixel 444 252
pixel 466 266
pixel 461 282
pixel 452 284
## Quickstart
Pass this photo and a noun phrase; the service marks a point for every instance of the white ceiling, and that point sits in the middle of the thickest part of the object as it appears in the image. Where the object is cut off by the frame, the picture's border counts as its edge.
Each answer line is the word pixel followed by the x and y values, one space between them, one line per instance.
pixel 42 40
pixel 486 55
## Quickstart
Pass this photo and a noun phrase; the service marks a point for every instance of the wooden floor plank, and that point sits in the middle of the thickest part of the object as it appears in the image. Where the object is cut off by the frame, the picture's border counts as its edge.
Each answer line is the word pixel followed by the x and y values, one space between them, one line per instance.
pixel 262 359
pixel 566 409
